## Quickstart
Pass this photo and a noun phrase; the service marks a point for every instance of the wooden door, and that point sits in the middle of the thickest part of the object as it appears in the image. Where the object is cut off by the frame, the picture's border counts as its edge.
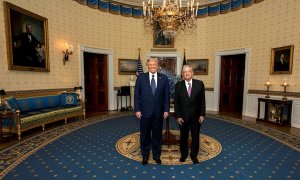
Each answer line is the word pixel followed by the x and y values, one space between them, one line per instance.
pixel 95 80
pixel 232 83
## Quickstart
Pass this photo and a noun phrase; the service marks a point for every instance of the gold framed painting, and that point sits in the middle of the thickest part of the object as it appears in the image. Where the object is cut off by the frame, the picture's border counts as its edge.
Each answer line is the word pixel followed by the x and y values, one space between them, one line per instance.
pixel 127 66
pixel 200 66
pixel 159 40
pixel 282 60
pixel 27 39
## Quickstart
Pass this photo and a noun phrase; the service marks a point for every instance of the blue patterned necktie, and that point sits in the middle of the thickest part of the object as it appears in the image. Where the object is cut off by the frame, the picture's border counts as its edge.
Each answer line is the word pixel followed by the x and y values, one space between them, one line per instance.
pixel 153 85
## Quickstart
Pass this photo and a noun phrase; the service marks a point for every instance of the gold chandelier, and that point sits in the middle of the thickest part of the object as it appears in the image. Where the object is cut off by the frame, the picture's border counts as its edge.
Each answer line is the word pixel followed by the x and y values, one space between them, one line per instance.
pixel 170 16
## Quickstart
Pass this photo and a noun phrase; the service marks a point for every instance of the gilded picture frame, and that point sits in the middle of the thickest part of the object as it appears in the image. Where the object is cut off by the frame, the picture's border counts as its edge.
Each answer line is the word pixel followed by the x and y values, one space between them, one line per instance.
pixel 200 66
pixel 27 39
pixel 282 60
pixel 127 66
pixel 159 40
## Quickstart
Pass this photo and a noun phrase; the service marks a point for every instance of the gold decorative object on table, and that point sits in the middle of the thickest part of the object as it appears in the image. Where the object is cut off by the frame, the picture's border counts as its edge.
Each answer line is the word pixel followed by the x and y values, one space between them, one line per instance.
pixel 268 84
pixel 285 84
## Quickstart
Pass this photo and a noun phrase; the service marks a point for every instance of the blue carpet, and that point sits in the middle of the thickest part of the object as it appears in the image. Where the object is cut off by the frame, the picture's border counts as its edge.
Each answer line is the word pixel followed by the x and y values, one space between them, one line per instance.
pixel 89 153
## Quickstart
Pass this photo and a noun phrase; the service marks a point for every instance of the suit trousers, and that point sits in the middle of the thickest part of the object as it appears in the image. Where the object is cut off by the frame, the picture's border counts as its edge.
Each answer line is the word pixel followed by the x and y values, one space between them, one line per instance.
pixel 151 136
pixel 185 128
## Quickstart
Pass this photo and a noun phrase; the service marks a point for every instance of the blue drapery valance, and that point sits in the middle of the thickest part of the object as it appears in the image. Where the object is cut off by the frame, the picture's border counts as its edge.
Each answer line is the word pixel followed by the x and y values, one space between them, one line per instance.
pixel 137 12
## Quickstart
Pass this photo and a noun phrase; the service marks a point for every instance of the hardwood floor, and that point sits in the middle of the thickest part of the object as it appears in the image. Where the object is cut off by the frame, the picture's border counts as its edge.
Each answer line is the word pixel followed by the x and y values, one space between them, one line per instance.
pixel 35 131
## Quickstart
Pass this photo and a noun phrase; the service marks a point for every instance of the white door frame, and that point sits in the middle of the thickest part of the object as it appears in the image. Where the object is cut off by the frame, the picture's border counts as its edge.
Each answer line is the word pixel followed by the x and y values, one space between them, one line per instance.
pixel 110 67
pixel 218 56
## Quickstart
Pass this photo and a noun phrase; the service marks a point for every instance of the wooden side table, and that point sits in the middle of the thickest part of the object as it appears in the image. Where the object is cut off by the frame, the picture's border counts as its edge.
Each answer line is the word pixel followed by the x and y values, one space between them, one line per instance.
pixel 8 115
pixel 278 111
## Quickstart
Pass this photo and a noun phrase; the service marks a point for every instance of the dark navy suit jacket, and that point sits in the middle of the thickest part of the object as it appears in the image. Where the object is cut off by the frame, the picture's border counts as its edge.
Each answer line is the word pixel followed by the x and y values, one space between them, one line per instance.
pixel 146 102
pixel 190 107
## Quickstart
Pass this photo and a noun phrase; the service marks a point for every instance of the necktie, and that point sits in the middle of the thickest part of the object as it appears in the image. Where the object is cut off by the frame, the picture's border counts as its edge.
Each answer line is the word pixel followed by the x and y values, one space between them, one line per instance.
pixel 189 89
pixel 153 85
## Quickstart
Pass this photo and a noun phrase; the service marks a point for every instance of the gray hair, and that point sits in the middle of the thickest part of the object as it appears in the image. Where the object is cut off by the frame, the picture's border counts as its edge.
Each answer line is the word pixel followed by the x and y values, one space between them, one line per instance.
pixel 187 66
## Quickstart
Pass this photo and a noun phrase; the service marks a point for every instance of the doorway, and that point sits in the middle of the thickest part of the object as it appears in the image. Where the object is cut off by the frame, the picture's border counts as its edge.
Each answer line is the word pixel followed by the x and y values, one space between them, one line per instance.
pixel 95 81
pixel 232 79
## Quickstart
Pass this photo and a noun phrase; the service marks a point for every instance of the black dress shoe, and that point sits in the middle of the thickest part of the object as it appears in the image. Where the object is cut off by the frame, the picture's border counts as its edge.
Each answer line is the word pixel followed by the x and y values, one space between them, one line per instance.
pixel 195 160
pixel 144 162
pixel 182 159
pixel 158 161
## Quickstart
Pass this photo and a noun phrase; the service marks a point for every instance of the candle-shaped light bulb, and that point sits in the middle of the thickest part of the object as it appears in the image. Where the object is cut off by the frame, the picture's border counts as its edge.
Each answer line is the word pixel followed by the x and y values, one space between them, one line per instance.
pixel 71 48
pixel 285 83
pixel 180 4
pixel 152 3
pixel 268 83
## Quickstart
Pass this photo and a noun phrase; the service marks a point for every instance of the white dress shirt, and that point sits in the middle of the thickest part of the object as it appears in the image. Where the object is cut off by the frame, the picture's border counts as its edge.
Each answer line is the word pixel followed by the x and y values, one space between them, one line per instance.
pixel 187 85
pixel 155 78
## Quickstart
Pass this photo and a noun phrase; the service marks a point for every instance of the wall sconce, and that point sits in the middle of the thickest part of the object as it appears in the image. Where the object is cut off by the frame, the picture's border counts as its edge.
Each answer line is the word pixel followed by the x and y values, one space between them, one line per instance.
pixel 2 93
pixel 67 52
pixel 285 84
pixel 268 84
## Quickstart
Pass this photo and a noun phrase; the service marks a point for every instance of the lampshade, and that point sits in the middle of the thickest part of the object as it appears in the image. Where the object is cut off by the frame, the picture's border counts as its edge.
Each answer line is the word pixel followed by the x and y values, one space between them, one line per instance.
pixel 2 92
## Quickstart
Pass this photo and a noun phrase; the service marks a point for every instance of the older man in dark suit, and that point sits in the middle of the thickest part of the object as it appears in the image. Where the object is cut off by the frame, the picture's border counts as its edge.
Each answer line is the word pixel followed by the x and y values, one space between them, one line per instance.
pixel 151 105
pixel 189 104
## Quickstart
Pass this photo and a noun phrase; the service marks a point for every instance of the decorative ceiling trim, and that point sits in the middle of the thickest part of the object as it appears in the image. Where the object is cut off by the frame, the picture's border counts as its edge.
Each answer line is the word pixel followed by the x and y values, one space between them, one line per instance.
pixel 205 10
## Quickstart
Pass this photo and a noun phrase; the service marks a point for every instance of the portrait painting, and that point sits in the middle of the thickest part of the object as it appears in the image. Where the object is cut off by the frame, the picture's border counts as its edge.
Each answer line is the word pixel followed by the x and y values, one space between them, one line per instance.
pixel 159 40
pixel 166 65
pixel 27 39
pixel 282 60
pixel 127 66
pixel 200 66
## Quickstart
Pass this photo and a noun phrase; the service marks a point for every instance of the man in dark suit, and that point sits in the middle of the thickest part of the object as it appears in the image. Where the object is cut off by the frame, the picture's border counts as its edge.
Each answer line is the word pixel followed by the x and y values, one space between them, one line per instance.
pixel 27 49
pixel 151 106
pixel 189 104
pixel 281 64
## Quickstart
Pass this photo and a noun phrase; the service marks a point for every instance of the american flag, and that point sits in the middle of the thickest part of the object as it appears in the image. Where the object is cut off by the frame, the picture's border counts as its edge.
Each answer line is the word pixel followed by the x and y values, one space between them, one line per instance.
pixel 184 60
pixel 139 69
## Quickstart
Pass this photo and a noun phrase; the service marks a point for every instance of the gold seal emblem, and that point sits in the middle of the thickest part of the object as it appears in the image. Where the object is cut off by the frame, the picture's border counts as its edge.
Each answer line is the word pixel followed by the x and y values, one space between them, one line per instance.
pixel 69 99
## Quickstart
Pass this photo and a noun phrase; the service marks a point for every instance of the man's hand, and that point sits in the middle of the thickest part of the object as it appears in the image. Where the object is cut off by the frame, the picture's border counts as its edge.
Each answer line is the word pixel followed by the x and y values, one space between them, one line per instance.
pixel 138 114
pixel 179 121
pixel 166 114
pixel 201 119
